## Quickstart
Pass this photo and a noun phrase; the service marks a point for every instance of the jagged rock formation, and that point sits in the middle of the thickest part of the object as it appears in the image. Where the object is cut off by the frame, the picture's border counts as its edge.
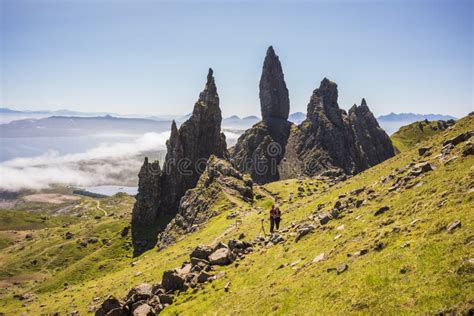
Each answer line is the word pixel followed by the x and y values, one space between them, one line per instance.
pixel 330 141
pixel 334 142
pixel 196 206
pixel 188 150
pixel 261 148
pixel 189 147
pixel 373 143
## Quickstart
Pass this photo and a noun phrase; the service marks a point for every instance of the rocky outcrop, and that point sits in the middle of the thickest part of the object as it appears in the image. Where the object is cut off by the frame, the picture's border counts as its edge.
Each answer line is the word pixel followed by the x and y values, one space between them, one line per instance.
pixel 274 100
pixel 196 207
pixel 188 149
pixel 261 148
pixel 372 143
pixel 333 141
pixel 151 299
pixel 330 141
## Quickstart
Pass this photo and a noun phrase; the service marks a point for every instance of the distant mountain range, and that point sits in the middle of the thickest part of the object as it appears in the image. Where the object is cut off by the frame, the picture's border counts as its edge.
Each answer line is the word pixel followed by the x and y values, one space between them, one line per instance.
pixel 66 126
pixel 414 117
pixel 42 123
pixel 393 121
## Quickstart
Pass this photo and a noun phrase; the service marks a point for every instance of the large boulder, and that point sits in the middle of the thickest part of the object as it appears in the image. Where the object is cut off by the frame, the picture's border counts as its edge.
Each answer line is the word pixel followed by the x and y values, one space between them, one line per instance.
pixel 222 257
pixel 143 291
pixel 201 252
pixel 143 310
pixel 172 281
pixel 110 304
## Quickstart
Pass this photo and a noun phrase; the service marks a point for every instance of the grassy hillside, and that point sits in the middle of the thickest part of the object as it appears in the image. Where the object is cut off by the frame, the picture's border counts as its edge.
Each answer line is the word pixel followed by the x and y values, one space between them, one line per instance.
pixel 413 265
pixel 412 134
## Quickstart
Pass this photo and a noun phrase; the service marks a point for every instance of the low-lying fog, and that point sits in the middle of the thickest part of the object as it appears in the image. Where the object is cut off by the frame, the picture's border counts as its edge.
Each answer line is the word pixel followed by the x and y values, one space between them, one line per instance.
pixel 36 163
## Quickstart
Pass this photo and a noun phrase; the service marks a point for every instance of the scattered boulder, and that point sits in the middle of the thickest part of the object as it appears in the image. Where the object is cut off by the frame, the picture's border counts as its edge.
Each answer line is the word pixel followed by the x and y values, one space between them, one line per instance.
pixel 125 231
pixel 303 231
pixel 468 150
pixel 143 291
pixel 453 225
pixel 68 235
pixel 361 252
pixel 378 246
pixel 238 244
pixel 357 191
pixel 381 210
pixel 324 218
pixel 459 139
pixel 143 310
pixel 340 268
pixel 172 281
pixel 227 286
pixel 222 257
pixel 166 299
pixel 423 150
pixel 111 303
pixel 92 240
pixel 423 166
pixel 201 252
pixel 231 215
pixel 319 258
pixel 203 277
pixel 276 238
pixel 199 262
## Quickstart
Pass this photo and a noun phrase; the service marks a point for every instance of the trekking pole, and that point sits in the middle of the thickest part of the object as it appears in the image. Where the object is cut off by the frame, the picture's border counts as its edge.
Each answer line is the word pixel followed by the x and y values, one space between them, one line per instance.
pixel 263 228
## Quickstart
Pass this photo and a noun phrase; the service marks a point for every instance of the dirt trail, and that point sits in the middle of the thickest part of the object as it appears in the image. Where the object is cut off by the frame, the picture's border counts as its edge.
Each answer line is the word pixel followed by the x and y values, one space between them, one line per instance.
pixel 101 209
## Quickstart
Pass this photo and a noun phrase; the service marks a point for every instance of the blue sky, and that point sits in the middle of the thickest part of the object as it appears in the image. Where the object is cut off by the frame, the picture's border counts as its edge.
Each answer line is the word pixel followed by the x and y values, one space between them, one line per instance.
pixel 151 57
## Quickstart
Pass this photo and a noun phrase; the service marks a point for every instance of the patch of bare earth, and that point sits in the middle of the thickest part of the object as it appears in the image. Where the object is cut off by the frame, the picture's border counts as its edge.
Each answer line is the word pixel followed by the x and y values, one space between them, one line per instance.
pixel 21 279
pixel 52 198
pixel 6 204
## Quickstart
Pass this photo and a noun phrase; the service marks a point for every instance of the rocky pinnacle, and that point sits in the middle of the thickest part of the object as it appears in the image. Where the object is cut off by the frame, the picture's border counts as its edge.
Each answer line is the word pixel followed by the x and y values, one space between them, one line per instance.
pixel 274 100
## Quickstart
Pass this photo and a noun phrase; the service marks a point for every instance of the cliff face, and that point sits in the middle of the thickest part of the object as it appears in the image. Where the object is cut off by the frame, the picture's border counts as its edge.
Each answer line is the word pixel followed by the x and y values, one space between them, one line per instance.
pixel 188 150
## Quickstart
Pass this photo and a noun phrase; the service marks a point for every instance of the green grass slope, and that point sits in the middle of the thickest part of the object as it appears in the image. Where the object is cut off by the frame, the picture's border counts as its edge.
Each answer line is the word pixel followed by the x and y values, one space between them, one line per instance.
pixel 412 134
pixel 413 265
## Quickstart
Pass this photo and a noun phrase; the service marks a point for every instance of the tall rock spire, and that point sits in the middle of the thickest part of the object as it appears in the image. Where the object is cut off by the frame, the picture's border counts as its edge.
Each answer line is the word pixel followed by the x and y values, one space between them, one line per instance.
pixel 274 100
pixel 261 148
pixel 188 149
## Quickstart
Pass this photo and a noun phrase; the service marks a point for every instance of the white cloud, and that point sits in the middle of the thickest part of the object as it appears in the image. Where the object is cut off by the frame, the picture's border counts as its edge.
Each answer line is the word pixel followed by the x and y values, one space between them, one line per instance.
pixel 116 164
pixel 105 164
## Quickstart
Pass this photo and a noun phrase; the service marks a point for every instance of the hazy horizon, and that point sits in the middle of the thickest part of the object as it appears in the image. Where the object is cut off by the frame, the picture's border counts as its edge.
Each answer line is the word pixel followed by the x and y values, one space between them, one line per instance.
pixel 151 58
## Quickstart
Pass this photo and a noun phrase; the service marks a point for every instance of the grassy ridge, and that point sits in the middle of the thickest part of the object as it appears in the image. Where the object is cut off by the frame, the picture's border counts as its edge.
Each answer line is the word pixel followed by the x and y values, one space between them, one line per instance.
pixel 431 274
pixel 412 134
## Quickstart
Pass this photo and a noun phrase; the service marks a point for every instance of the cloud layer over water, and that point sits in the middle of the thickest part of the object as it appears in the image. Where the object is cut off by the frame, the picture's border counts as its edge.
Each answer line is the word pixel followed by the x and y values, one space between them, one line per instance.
pixel 106 164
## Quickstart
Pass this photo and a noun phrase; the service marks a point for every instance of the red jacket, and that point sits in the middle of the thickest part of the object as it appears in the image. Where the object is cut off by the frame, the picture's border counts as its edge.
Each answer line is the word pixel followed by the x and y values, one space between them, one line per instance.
pixel 275 213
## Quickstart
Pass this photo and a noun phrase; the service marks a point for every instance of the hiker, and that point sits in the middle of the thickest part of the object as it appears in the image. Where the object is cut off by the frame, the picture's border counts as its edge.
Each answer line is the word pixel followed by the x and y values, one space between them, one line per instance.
pixel 275 217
